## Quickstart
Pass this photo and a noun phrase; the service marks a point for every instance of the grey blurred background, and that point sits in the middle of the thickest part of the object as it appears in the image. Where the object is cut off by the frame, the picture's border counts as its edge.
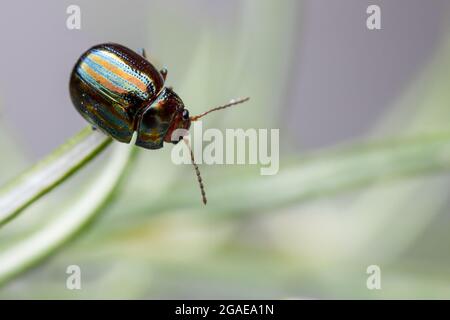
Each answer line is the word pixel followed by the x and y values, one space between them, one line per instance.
pixel 313 70
pixel 342 77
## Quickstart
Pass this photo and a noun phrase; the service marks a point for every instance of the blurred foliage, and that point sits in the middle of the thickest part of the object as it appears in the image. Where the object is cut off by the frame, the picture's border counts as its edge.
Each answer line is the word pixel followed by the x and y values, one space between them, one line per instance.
pixel 310 231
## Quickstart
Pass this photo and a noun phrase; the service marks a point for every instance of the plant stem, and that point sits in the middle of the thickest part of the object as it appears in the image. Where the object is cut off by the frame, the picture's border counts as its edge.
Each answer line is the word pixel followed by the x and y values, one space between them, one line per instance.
pixel 50 172
pixel 88 204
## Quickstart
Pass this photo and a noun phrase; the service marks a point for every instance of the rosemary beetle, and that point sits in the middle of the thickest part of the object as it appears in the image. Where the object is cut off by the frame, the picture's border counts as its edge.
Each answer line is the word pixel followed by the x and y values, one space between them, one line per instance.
pixel 119 92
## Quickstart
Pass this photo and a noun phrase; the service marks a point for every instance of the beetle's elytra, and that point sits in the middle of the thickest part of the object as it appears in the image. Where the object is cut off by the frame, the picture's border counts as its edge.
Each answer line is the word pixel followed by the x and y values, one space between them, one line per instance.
pixel 119 92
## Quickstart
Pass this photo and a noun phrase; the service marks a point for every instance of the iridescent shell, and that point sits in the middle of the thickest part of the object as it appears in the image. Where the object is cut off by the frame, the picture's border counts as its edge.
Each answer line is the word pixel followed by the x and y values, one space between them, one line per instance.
pixel 119 92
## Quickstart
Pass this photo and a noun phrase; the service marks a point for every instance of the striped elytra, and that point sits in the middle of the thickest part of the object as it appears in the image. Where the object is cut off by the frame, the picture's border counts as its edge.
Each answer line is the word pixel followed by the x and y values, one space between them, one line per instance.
pixel 118 91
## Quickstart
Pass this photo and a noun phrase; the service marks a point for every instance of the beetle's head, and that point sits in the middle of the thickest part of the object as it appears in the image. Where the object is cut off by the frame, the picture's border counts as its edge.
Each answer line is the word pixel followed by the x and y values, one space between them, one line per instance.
pixel 181 122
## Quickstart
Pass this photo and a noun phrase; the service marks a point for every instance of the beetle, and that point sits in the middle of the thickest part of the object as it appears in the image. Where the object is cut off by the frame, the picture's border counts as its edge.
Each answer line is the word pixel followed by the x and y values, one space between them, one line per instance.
pixel 119 92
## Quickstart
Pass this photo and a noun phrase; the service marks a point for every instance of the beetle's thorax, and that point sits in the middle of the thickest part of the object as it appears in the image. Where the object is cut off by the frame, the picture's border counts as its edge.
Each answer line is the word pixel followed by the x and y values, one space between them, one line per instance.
pixel 159 119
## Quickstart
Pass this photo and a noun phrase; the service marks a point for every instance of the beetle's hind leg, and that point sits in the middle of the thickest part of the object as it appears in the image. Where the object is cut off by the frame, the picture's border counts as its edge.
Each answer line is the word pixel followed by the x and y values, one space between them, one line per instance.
pixel 163 72
pixel 143 53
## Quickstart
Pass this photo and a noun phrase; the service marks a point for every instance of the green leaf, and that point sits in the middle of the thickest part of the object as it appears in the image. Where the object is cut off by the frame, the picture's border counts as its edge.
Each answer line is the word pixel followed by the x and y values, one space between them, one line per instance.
pixel 50 172
pixel 74 217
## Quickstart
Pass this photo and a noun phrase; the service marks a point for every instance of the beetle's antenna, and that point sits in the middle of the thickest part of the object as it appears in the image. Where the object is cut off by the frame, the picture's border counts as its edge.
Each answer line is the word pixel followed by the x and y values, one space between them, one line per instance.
pixel 229 104
pixel 197 172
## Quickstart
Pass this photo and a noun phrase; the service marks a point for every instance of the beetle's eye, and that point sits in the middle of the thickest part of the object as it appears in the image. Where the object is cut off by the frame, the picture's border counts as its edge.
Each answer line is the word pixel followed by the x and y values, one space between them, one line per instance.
pixel 185 114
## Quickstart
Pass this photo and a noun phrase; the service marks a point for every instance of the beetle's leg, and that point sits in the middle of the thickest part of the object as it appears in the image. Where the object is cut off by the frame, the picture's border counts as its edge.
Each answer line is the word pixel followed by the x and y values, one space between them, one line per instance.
pixel 143 53
pixel 163 72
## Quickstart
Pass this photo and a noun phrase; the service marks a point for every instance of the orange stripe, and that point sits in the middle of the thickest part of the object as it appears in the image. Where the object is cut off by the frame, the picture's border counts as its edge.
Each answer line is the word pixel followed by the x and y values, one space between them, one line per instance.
pixel 102 80
pixel 120 72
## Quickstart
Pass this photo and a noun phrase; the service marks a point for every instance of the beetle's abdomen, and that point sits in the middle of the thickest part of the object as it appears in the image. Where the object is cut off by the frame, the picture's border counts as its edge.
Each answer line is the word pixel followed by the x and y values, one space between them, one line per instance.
pixel 110 84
